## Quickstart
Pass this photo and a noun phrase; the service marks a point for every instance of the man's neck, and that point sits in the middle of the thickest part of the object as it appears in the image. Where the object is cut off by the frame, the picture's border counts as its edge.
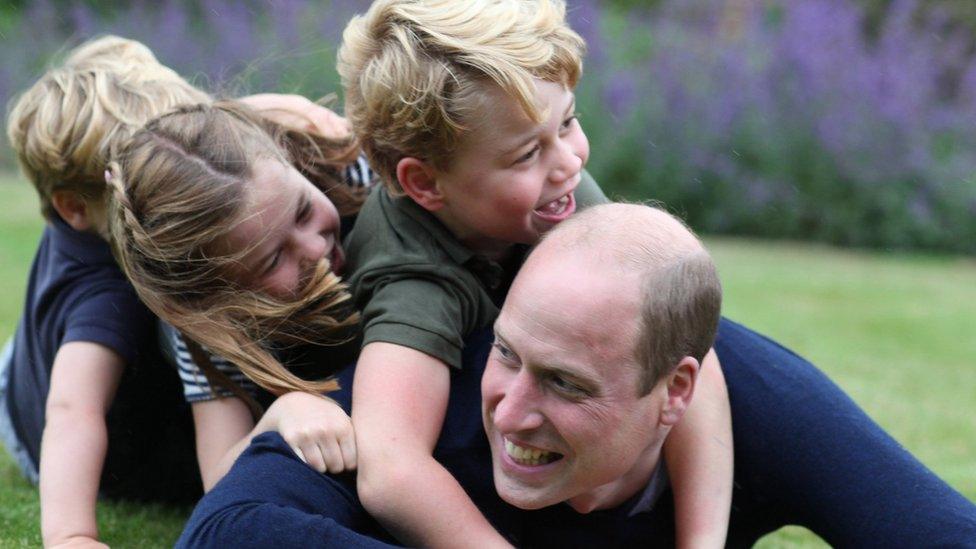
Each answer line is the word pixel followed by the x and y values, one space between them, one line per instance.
pixel 615 493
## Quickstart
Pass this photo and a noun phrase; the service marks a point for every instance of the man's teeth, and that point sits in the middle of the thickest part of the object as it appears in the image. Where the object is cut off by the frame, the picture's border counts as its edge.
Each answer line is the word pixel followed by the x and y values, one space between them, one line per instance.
pixel 555 207
pixel 527 456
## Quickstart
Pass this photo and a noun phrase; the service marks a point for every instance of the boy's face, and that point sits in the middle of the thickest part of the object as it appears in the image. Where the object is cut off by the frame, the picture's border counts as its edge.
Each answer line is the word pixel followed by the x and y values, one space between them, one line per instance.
pixel 513 179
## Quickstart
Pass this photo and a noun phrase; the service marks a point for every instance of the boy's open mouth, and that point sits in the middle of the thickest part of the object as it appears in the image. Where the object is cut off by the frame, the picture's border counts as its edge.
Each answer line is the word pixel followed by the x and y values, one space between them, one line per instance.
pixel 529 456
pixel 558 209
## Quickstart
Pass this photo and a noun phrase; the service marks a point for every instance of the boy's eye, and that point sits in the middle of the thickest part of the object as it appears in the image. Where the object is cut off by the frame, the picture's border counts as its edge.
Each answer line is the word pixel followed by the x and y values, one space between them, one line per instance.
pixel 527 156
pixel 569 121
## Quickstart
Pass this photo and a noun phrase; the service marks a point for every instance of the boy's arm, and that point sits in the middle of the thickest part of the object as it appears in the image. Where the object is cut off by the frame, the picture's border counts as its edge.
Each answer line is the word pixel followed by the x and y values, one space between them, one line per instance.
pixel 84 379
pixel 400 397
pixel 699 455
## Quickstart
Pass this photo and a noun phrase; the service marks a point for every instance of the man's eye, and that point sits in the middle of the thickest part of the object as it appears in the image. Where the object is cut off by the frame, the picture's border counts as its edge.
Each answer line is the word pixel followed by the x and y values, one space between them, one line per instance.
pixel 566 387
pixel 504 352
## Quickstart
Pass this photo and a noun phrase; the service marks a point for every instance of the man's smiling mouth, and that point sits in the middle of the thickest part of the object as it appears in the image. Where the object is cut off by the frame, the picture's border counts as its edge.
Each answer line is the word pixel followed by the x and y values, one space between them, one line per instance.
pixel 529 456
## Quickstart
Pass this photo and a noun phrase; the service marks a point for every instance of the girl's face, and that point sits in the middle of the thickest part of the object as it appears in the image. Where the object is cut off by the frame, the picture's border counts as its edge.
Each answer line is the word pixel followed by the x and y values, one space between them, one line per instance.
pixel 288 227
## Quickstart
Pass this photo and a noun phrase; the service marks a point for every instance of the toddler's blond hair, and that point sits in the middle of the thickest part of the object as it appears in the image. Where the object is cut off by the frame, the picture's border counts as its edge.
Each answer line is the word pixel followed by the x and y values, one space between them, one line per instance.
pixel 63 127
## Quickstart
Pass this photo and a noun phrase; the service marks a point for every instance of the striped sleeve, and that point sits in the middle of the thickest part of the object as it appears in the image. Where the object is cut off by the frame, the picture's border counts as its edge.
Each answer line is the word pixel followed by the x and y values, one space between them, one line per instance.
pixel 359 174
pixel 196 387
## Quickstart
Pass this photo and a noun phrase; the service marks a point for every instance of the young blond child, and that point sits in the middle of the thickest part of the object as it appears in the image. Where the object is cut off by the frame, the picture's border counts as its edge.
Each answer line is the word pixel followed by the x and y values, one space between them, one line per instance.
pixel 85 402
pixel 465 108
pixel 84 336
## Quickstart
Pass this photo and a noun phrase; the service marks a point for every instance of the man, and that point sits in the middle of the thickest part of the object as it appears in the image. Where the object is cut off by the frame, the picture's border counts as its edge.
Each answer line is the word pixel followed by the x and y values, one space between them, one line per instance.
pixel 578 400
pixel 606 348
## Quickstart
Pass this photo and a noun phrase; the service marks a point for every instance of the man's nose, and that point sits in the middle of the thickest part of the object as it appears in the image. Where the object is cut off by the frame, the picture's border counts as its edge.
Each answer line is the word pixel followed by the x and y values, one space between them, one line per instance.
pixel 518 409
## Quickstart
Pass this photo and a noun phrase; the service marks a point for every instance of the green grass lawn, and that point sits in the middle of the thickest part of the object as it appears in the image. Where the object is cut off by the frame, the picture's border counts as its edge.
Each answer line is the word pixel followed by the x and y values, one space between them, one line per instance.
pixel 895 331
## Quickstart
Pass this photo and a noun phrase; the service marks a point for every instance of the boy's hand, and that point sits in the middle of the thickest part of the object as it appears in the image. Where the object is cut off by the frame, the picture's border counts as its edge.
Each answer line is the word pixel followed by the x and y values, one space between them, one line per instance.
pixel 79 542
pixel 317 429
pixel 298 113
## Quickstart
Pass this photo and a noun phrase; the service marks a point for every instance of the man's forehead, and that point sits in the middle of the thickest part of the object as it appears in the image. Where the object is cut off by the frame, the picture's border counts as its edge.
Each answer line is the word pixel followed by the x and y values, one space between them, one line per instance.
pixel 569 306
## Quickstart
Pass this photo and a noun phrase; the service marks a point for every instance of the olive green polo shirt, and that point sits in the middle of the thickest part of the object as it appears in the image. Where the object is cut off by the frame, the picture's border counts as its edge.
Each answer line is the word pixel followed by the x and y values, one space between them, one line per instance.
pixel 417 285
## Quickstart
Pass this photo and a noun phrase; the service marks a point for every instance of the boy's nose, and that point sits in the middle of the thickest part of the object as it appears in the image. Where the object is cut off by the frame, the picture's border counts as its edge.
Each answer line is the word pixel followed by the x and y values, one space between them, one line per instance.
pixel 568 163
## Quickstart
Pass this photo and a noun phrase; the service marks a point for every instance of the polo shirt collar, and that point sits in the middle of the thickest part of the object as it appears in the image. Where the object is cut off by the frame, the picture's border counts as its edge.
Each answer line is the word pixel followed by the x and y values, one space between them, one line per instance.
pixel 84 247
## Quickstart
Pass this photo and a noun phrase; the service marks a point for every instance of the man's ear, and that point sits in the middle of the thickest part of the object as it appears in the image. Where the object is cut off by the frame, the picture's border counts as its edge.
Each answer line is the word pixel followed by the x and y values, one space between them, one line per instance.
pixel 680 388
pixel 419 182
pixel 72 208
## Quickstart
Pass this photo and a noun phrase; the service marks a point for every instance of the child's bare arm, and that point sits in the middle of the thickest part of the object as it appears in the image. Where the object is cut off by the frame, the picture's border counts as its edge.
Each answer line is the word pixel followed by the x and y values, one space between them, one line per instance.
pixel 400 397
pixel 699 455
pixel 317 429
pixel 84 379
pixel 221 427
pixel 299 113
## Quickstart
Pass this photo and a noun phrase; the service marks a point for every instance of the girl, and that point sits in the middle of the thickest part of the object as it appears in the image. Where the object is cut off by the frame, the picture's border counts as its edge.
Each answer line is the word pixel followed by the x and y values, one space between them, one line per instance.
pixel 213 268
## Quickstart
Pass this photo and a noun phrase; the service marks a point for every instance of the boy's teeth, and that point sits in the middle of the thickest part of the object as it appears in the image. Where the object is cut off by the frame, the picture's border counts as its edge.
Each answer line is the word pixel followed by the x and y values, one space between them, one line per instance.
pixel 555 207
pixel 526 456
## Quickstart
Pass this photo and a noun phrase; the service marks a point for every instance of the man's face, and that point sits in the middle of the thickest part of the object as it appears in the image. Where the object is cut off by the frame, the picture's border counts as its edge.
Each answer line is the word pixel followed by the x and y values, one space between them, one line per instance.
pixel 559 393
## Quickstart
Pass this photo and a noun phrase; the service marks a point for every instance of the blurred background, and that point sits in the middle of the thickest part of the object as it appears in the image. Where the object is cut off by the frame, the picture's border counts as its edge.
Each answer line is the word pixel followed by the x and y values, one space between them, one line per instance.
pixel 826 148
pixel 851 122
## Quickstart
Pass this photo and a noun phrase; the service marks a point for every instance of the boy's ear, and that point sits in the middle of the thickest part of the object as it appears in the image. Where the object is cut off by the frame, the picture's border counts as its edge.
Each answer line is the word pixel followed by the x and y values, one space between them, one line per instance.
pixel 680 388
pixel 72 208
pixel 419 182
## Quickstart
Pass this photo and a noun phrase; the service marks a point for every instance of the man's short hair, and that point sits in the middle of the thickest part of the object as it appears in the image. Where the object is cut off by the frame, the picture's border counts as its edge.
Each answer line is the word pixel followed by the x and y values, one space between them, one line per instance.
pixel 680 292
pixel 63 127
pixel 414 71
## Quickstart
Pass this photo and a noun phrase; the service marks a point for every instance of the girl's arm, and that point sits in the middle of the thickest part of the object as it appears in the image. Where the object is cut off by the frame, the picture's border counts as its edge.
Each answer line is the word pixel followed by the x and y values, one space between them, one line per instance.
pixel 222 427
pixel 84 379
pixel 400 397
pixel 316 428
pixel 699 455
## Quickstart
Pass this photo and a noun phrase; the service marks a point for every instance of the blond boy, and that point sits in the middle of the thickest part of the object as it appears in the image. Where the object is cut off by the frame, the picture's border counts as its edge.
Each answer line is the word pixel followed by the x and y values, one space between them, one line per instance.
pixel 466 109
pixel 84 337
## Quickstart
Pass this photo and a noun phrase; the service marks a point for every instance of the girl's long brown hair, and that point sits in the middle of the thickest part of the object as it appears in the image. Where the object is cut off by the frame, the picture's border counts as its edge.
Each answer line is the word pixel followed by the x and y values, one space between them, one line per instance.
pixel 178 188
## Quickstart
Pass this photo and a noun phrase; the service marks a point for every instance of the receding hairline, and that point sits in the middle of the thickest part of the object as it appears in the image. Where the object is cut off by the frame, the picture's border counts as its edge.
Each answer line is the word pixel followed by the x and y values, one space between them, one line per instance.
pixel 626 234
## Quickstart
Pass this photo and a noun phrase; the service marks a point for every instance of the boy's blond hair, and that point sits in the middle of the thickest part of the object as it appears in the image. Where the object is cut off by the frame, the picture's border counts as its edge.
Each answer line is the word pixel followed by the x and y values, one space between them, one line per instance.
pixel 63 127
pixel 414 71
pixel 179 187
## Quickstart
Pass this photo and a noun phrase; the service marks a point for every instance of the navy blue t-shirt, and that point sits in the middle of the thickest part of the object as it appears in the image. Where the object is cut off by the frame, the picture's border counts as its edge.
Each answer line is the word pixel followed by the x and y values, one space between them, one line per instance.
pixel 77 292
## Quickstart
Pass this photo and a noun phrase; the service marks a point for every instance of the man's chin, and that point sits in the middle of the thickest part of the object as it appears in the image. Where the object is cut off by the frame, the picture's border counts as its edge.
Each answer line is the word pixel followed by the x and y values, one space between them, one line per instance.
pixel 519 495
